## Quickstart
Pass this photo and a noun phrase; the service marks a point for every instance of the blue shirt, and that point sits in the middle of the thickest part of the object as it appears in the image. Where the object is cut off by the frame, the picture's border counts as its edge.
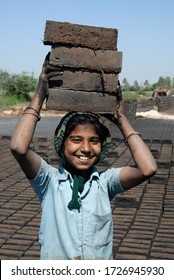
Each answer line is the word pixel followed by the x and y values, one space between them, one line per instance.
pixel 76 234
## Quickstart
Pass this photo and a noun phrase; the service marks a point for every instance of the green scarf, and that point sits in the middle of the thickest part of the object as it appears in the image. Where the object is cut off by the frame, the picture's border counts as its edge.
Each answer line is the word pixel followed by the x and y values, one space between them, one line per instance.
pixel 78 186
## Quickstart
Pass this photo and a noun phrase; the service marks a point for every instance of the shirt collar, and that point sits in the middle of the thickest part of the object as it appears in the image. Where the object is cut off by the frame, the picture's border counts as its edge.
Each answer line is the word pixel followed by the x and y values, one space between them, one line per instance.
pixel 64 174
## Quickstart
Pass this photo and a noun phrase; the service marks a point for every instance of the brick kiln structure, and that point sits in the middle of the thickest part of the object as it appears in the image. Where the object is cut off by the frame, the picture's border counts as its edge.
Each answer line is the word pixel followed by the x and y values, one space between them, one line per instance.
pixel 90 63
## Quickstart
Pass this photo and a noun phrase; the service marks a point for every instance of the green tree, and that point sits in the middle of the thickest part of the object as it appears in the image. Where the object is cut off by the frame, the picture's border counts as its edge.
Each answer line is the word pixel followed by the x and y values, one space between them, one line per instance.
pixel 147 85
pixel 125 85
pixel 4 78
pixel 161 82
pixel 25 85
pixel 172 83
pixel 168 82
pixel 135 87
pixel 20 86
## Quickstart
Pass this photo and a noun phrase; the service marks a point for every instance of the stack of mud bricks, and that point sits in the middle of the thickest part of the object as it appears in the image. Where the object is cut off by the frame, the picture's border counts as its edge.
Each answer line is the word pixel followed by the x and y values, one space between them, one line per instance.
pixel 88 58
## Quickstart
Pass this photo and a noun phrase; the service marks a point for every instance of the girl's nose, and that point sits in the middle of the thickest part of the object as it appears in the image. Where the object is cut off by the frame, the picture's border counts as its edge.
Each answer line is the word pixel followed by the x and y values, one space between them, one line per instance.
pixel 86 147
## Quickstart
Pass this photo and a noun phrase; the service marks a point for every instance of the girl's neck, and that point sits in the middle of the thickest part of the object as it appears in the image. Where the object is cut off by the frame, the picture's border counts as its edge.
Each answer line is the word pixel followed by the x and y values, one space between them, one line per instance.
pixel 73 171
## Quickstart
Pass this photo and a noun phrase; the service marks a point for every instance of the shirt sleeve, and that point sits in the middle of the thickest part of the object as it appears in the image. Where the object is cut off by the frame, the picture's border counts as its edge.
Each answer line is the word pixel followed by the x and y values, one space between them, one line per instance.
pixel 40 182
pixel 114 186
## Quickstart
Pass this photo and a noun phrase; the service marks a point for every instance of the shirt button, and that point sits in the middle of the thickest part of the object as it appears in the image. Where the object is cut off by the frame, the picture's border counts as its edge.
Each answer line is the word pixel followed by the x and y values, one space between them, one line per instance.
pixel 85 242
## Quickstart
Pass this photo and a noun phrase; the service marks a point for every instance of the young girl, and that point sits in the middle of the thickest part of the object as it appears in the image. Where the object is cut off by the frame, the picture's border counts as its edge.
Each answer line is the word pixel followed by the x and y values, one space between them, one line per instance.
pixel 75 198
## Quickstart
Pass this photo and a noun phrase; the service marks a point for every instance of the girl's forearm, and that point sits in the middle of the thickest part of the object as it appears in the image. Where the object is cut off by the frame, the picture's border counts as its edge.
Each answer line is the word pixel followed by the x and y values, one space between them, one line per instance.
pixel 141 154
pixel 25 128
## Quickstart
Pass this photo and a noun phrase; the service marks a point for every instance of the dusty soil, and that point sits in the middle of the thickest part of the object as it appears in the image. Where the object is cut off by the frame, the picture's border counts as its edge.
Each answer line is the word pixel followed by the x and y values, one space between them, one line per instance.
pixel 14 111
pixel 153 114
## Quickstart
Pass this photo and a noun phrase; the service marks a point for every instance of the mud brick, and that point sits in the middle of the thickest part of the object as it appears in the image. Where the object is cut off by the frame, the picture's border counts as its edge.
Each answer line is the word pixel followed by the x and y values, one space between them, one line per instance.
pixel 107 60
pixel 29 231
pixel 31 257
pixel 143 224
pixel 148 214
pixel 137 241
pixel 68 100
pixel 163 164
pixel 16 247
pixel 7 227
pixel 124 256
pixel 12 222
pixel 162 245
pixel 140 234
pixel 85 81
pixel 6 235
pixel 162 255
pixel 10 253
pixel 158 179
pixel 11 205
pixel 172 171
pixel 131 250
pixel 164 238
pixel 135 245
pixel 31 253
pixel 65 33
pixel 125 201
pixel 24 236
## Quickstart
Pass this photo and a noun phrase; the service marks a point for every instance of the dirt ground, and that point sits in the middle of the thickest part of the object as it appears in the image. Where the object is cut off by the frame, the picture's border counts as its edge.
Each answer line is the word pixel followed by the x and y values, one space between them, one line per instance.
pixel 15 111
pixel 153 114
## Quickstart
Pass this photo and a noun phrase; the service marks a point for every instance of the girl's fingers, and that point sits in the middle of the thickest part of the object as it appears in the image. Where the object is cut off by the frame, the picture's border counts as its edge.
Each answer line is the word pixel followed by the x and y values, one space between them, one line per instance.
pixel 52 74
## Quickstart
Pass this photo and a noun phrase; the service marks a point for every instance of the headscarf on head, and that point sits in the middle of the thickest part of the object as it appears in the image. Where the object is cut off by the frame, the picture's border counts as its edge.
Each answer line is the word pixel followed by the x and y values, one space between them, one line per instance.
pixel 58 145
pixel 61 128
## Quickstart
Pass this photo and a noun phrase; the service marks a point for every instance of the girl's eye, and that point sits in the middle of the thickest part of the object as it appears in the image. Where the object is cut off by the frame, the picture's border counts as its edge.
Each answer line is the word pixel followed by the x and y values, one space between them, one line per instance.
pixel 95 140
pixel 76 140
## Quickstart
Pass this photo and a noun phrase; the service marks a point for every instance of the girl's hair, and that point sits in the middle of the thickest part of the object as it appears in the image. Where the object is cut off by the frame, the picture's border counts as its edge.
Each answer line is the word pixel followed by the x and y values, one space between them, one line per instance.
pixel 77 119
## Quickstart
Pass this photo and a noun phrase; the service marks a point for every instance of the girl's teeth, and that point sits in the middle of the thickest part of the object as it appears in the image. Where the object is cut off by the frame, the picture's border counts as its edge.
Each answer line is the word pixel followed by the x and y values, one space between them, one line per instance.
pixel 84 158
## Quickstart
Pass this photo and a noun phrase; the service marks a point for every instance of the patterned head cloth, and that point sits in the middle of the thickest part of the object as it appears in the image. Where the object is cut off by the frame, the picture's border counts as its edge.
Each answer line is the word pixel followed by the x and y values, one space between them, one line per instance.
pixel 61 128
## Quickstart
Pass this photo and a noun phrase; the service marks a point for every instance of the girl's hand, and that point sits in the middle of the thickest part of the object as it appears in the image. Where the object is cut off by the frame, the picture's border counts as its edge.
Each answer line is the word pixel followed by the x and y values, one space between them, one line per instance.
pixel 46 73
pixel 119 108
pixel 117 115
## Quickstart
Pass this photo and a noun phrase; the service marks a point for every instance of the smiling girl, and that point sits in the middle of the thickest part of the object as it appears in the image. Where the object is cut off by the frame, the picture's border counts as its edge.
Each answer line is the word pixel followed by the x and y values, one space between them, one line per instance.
pixel 75 198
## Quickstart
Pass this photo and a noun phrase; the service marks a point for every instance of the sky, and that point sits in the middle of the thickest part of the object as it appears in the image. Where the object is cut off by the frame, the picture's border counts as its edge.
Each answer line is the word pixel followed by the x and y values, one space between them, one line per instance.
pixel 145 33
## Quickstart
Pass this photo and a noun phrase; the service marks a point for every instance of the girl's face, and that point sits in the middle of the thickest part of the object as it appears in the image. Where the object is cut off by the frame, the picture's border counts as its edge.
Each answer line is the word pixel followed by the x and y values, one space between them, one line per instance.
pixel 82 147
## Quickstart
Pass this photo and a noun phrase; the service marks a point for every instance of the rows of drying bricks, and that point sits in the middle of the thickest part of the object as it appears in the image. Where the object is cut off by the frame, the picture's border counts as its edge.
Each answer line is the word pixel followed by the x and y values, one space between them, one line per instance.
pixel 143 217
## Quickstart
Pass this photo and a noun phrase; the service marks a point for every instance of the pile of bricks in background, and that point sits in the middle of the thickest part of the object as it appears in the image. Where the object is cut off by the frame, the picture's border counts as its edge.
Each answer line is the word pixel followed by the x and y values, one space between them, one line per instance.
pixel 164 103
pixel 160 103
pixel 90 63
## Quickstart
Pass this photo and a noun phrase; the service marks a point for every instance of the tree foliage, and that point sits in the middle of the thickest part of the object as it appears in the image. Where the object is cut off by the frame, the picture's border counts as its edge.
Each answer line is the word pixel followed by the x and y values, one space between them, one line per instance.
pixel 162 83
pixel 17 85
